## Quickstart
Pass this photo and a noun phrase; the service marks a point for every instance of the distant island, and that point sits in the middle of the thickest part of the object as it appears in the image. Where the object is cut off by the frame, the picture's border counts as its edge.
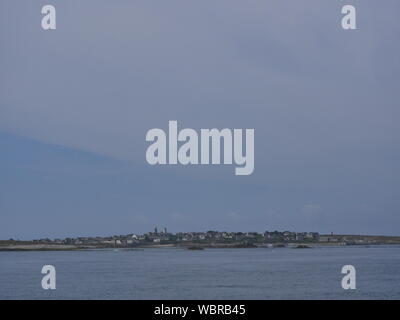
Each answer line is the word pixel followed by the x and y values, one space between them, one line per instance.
pixel 198 240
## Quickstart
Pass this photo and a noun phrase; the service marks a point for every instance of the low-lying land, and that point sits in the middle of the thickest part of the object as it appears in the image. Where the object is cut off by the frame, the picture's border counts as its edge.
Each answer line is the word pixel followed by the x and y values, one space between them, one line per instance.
pixel 322 240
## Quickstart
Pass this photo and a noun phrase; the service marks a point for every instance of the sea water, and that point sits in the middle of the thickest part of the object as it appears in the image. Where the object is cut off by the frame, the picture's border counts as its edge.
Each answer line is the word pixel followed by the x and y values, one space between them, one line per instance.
pixel 172 273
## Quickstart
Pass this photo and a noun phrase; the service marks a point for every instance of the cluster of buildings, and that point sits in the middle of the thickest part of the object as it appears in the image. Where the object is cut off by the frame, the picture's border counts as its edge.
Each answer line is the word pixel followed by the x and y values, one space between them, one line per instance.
pixel 165 237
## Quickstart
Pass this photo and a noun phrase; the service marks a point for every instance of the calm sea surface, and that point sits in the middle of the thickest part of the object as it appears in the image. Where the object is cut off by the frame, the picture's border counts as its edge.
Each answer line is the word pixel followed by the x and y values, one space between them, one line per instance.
pixel 172 273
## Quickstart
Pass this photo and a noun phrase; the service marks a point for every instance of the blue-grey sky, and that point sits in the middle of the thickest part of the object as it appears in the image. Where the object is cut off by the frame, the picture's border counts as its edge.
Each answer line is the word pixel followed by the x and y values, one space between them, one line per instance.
pixel 76 103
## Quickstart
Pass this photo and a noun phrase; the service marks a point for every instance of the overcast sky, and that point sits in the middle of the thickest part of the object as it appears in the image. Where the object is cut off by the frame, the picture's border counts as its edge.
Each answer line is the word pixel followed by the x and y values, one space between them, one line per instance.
pixel 76 103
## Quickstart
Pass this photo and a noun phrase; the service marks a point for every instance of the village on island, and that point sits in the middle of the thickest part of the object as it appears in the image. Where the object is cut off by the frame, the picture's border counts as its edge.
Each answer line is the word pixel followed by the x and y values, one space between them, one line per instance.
pixel 199 240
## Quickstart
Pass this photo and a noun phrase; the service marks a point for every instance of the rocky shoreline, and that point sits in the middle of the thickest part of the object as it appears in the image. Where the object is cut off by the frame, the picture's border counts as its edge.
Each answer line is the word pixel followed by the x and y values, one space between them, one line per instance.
pixel 191 246
pixel 40 247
